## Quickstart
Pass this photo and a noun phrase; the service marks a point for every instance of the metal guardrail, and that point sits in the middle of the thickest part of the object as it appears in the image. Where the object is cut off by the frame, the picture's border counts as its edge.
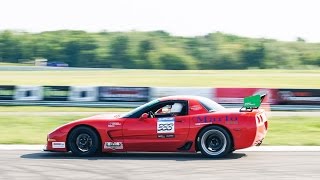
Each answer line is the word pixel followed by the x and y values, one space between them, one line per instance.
pixel 136 104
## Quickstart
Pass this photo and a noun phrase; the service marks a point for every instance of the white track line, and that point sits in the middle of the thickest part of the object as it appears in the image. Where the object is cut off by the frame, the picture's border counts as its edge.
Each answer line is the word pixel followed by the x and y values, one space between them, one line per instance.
pixel 21 147
pixel 281 148
pixel 254 148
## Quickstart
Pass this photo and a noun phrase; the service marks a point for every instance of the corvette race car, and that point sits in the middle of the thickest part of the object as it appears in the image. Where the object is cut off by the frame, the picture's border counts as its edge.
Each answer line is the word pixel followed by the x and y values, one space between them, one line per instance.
pixel 168 124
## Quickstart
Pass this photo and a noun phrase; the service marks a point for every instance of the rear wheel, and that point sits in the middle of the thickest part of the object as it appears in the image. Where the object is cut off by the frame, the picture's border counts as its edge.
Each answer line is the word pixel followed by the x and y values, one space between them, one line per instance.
pixel 215 142
pixel 83 141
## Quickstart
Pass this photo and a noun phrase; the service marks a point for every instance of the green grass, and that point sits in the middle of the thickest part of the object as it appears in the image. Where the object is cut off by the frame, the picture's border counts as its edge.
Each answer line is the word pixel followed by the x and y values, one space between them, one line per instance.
pixel 195 78
pixel 293 131
pixel 15 64
pixel 31 129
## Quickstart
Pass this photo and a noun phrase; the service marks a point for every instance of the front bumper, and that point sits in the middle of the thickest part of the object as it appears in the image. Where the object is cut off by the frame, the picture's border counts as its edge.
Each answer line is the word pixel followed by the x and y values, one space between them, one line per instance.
pixel 56 142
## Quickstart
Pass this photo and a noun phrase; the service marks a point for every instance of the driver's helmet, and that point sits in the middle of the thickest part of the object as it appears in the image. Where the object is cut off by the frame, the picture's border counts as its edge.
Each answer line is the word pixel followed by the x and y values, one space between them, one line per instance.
pixel 176 108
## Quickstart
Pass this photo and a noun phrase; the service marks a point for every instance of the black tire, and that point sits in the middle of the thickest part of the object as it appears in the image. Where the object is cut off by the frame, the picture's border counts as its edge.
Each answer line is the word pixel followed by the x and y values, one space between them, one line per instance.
pixel 84 142
pixel 214 142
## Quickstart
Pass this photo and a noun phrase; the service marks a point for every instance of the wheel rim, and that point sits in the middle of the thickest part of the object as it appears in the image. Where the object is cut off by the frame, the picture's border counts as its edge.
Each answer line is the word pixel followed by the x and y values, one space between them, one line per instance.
pixel 213 142
pixel 84 142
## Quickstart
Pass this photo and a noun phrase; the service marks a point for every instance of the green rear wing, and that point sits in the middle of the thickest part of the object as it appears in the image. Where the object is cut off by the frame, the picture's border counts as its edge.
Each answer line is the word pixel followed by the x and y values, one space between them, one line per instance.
pixel 252 102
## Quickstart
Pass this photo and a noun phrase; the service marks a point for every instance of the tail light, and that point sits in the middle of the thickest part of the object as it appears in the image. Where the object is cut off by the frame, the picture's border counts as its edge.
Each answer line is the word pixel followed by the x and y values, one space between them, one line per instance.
pixel 258 118
pixel 266 125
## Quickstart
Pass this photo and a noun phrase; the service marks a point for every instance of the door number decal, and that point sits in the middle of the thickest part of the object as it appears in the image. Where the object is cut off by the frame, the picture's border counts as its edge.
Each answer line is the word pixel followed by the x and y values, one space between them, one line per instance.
pixel 165 125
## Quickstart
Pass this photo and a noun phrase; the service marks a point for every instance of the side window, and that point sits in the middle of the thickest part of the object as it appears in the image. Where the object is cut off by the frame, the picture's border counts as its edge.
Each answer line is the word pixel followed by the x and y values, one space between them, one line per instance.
pixel 184 110
pixel 172 109
pixel 164 110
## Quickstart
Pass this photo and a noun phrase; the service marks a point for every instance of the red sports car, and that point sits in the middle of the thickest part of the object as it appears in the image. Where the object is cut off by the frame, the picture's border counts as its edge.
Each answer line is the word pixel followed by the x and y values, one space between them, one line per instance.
pixel 168 124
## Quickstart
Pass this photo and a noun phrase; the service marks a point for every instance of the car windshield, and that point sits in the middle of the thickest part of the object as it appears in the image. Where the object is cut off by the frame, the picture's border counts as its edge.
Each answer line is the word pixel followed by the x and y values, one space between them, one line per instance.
pixel 210 105
pixel 140 108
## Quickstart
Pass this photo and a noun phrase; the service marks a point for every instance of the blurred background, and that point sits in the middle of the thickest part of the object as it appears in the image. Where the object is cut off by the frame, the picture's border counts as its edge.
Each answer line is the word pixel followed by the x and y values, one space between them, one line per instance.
pixel 60 61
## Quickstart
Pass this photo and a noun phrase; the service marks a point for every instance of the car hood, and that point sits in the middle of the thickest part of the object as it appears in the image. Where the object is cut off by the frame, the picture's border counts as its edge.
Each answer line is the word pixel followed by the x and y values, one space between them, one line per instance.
pixel 105 117
pixel 102 117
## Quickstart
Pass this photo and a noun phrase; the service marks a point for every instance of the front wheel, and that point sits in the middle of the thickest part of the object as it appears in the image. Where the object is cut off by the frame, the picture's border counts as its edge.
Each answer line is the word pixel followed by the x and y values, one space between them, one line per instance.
pixel 215 142
pixel 83 141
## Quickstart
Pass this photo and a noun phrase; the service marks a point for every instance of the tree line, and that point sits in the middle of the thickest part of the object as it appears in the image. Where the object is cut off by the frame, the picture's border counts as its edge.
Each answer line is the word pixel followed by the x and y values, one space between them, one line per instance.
pixel 157 50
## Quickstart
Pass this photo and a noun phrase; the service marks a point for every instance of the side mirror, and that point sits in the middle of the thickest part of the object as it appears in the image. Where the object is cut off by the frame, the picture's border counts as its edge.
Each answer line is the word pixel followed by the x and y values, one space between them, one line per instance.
pixel 144 116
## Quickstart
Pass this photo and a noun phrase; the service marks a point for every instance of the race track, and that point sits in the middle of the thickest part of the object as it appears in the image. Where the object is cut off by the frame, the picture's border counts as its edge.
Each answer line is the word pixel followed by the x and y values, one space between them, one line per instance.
pixel 32 164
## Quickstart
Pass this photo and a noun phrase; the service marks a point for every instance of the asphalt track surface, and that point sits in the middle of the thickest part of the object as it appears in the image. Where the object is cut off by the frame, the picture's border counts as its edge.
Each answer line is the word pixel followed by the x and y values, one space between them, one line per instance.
pixel 34 164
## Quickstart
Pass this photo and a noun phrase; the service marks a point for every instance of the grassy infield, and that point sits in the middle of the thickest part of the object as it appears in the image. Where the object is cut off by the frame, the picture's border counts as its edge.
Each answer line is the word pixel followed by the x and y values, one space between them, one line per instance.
pixel 32 128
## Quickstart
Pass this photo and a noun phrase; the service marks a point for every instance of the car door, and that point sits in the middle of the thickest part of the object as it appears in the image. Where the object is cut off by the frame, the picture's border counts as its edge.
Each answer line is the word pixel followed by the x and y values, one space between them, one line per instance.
pixel 159 133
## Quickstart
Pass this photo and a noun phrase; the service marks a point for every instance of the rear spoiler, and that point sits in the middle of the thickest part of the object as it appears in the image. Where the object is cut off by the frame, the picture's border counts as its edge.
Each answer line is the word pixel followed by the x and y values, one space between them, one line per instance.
pixel 252 102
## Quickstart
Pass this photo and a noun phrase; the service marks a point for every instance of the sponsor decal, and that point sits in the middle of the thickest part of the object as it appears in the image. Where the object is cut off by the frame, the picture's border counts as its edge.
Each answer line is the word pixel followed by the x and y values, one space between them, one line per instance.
pixel 166 135
pixel 299 96
pixel 165 125
pixel 195 107
pixel 252 102
pixel 118 94
pixel 232 122
pixel 113 145
pixel 157 92
pixel 202 120
pixel 7 92
pixel 28 93
pixel 114 124
pixel 83 93
pixel 236 95
pixel 58 145
pixel 55 93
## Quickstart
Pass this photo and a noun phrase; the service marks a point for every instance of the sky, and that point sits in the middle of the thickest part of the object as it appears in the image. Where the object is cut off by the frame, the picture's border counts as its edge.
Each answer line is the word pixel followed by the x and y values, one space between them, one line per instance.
pixel 278 19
